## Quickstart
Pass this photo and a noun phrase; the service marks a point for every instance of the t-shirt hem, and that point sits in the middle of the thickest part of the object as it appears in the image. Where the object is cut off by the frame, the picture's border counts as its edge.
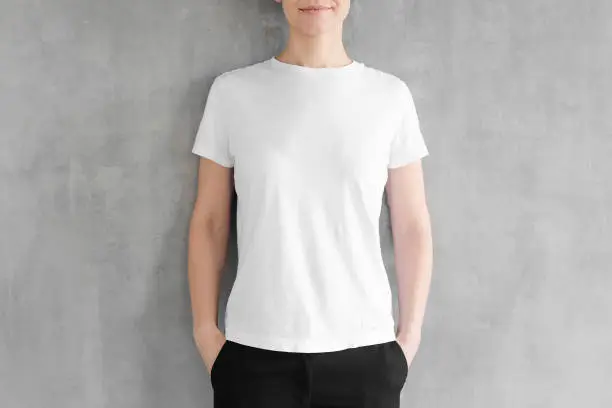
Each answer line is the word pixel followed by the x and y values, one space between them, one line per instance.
pixel 407 160
pixel 313 345
pixel 212 156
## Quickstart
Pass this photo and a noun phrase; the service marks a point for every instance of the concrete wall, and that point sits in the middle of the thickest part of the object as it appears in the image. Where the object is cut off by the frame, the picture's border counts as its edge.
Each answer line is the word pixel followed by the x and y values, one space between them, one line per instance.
pixel 99 103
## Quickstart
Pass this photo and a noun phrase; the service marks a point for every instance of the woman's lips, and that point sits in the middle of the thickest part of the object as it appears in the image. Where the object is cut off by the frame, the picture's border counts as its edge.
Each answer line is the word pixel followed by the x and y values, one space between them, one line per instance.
pixel 315 10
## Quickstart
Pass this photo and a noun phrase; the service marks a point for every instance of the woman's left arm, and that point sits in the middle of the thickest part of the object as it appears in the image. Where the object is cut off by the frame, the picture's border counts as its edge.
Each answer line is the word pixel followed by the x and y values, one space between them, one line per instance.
pixel 413 250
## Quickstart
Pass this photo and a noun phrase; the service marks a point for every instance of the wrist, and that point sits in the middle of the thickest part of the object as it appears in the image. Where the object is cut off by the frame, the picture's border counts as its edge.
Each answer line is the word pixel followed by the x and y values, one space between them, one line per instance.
pixel 409 332
pixel 205 329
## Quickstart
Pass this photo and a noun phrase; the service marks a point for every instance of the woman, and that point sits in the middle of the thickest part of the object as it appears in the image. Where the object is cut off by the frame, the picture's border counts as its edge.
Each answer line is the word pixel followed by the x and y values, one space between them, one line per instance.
pixel 310 139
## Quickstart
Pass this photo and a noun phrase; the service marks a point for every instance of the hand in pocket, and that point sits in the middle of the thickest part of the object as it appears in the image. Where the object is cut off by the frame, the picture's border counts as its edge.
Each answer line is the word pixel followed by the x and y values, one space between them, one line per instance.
pixel 409 345
pixel 209 343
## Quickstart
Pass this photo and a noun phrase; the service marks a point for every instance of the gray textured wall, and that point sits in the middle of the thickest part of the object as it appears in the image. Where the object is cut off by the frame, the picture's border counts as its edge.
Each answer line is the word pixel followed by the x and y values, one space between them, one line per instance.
pixel 99 103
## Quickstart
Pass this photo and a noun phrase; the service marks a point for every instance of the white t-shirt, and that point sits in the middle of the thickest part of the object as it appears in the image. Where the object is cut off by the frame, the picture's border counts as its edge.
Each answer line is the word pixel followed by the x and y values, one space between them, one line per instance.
pixel 310 148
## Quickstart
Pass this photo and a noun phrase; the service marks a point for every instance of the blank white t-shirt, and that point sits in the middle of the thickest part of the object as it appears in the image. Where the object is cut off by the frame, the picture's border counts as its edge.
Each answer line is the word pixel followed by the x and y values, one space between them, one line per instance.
pixel 310 148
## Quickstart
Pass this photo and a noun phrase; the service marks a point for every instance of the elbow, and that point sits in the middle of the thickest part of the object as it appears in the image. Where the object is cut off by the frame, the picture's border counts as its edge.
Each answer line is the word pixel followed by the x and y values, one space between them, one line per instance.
pixel 413 228
pixel 209 222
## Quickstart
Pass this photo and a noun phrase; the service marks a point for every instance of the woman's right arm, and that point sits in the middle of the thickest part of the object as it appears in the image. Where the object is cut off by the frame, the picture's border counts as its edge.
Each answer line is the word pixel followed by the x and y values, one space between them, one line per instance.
pixel 208 238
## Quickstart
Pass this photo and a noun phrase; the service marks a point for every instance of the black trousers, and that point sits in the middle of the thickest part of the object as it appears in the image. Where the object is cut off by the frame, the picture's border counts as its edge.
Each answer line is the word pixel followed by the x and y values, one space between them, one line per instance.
pixel 369 376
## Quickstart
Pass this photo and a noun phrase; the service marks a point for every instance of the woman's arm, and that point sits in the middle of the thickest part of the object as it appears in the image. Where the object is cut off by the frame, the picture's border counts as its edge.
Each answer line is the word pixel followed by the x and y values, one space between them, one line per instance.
pixel 411 231
pixel 208 237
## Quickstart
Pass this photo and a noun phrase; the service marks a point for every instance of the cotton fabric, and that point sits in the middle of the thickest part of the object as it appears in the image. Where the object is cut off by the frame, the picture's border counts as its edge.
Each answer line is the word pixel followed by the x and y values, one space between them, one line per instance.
pixel 310 150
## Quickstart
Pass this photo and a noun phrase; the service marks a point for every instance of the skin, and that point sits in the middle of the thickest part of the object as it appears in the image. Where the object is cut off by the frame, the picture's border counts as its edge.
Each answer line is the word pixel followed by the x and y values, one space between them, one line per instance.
pixel 315 40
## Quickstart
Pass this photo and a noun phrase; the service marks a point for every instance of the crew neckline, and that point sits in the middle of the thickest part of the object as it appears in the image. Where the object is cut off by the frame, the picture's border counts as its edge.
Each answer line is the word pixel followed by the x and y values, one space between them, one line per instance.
pixel 354 64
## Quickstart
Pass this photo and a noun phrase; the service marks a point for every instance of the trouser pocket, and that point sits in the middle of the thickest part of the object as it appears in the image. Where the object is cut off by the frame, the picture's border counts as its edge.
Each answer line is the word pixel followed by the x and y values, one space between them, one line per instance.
pixel 218 362
pixel 374 369
pixel 400 358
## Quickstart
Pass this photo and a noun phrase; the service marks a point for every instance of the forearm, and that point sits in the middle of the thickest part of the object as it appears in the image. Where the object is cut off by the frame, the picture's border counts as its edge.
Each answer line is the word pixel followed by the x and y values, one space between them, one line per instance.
pixel 413 266
pixel 206 259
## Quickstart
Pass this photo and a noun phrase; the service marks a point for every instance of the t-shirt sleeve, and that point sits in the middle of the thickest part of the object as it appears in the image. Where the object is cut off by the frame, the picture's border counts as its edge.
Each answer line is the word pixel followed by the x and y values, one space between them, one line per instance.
pixel 212 138
pixel 408 144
